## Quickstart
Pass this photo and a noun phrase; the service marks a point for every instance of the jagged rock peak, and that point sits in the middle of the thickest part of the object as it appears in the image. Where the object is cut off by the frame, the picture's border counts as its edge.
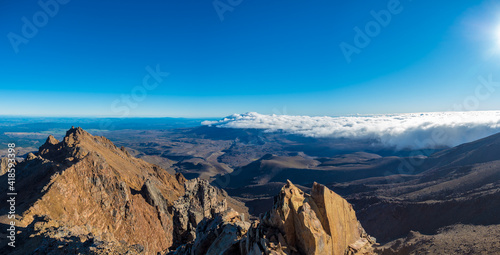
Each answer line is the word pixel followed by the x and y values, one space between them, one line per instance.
pixel 75 135
pixel 30 156
pixel 77 131
pixel 322 223
pixel 76 145
pixel 50 144
pixel 51 140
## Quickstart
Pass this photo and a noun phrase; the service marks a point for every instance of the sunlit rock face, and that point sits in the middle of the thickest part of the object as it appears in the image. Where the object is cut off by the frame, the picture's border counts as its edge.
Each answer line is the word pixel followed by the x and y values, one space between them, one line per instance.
pixel 298 223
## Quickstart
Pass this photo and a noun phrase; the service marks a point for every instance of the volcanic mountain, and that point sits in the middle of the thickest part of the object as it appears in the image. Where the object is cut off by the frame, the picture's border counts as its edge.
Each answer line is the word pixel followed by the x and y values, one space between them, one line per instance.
pixel 87 188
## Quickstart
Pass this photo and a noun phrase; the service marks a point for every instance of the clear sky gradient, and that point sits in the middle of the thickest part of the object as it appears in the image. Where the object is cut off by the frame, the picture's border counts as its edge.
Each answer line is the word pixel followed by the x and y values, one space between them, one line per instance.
pixel 89 58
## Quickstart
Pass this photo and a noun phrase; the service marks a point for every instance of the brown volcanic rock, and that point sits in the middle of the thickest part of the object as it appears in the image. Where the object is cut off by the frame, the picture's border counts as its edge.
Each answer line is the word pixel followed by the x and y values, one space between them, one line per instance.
pixel 337 217
pixel 293 216
pixel 87 182
pixel 295 225
pixel 323 223
pixel 4 163
pixel 220 234
pixel 200 201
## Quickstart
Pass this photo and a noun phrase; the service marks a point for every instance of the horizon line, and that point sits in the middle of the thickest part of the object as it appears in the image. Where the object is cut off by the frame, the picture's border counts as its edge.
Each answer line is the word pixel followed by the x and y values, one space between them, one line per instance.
pixel 220 117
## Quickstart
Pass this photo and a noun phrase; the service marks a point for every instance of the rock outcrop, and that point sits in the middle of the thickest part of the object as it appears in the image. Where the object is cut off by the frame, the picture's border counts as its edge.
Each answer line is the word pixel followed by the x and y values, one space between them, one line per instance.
pixel 4 165
pixel 200 201
pixel 86 184
pixel 320 223
pixel 221 234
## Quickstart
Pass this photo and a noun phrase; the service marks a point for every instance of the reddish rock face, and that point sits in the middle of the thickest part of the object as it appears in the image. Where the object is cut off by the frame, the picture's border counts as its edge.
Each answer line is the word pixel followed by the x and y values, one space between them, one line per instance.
pixel 94 188
pixel 337 217
pixel 320 223
pixel 4 163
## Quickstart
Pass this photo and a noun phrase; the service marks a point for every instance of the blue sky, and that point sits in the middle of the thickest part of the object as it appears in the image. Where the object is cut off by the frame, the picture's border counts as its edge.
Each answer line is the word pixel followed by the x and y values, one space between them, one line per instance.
pixel 89 58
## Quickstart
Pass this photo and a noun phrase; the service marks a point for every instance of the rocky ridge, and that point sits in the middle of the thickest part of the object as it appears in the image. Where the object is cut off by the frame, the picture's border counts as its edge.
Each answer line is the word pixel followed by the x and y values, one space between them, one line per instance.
pixel 90 187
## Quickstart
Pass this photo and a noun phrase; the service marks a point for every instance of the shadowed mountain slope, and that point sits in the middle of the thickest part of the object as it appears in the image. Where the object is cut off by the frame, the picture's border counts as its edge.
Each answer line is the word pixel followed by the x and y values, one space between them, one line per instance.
pixel 458 185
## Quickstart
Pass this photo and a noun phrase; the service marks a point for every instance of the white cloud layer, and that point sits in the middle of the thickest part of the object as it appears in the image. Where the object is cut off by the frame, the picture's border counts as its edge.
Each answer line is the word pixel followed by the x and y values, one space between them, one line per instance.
pixel 413 130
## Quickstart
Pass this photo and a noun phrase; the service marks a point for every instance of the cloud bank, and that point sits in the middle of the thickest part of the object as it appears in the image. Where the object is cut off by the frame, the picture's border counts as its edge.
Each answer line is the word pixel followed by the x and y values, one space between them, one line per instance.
pixel 413 130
